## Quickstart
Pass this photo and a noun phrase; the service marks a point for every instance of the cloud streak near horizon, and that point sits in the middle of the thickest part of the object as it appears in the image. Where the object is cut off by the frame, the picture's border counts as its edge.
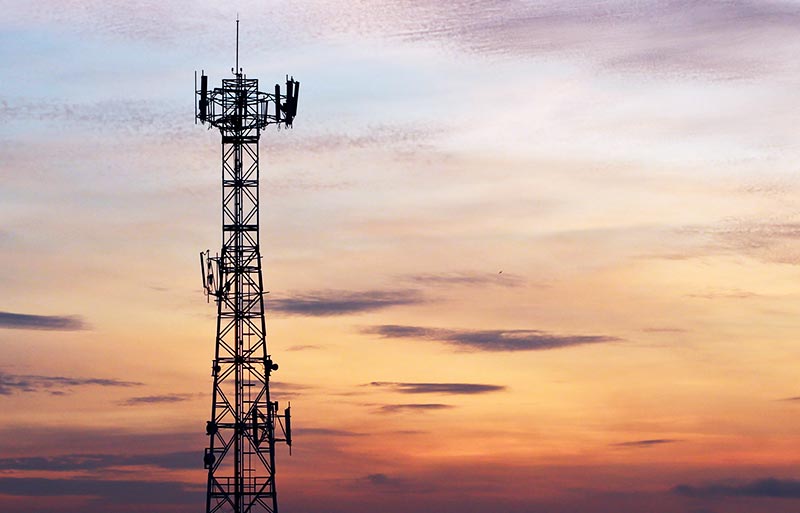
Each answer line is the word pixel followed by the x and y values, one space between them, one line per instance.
pixel 17 321
pixel 158 399
pixel 467 278
pixel 645 443
pixel 439 388
pixel 327 303
pixel 490 340
pixel 102 491
pixel 418 407
pixel 73 462
pixel 763 488
pixel 19 383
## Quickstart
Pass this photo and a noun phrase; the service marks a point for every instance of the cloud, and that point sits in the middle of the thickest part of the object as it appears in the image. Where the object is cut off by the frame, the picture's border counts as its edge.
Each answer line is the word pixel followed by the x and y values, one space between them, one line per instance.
pixel 664 330
pixel 769 241
pixel 490 340
pixel 158 399
pixel 339 302
pixel 42 439
pixel 439 388
pixel 379 479
pixel 716 39
pixel 466 278
pixel 288 388
pixel 768 488
pixel 733 294
pixel 303 347
pixel 421 407
pixel 14 383
pixel 387 483
pixel 72 462
pixel 104 491
pixel 18 321
pixel 646 443
pixel 326 432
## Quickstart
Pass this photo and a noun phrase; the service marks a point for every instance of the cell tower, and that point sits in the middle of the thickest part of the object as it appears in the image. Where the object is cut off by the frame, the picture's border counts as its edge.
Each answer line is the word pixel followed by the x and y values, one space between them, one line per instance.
pixel 245 422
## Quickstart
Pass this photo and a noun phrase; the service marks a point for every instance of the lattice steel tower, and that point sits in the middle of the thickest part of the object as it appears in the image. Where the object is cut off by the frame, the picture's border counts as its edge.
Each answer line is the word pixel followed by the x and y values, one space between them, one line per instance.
pixel 245 422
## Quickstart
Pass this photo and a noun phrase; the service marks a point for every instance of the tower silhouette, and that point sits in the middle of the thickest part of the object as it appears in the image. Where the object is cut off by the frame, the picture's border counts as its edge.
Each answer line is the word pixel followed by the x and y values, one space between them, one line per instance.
pixel 245 422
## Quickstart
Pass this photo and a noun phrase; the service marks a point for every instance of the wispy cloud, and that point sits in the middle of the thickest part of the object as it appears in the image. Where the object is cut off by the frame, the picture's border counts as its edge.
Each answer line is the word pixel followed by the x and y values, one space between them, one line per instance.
pixel 768 488
pixel 380 479
pixel 158 399
pixel 16 383
pixel 288 388
pixel 73 462
pixel 467 278
pixel 775 241
pixel 303 347
pixel 663 329
pixel 419 407
pixel 103 491
pixel 40 439
pixel 646 443
pixel 439 388
pixel 717 39
pixel 341 302
pixel 393 484
pixel 490 340
pixel 19 321
pixel 732 294
pixel 327 432
pixel 130 117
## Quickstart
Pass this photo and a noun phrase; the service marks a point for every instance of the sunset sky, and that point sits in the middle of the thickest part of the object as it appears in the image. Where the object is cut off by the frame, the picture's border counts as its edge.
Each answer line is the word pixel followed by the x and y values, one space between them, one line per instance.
pixel 523 256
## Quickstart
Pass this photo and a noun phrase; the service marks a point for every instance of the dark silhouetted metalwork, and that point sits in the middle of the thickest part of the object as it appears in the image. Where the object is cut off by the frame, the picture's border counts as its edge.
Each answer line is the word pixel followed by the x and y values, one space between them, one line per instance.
pixel 245 422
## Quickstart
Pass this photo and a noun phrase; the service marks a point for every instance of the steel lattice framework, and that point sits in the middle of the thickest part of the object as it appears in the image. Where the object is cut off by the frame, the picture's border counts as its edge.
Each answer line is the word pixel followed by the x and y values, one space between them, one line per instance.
pixel 245 422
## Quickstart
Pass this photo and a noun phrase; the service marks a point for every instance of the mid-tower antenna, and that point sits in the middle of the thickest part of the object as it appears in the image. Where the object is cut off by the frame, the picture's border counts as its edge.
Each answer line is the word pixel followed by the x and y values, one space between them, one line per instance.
pixel 245 422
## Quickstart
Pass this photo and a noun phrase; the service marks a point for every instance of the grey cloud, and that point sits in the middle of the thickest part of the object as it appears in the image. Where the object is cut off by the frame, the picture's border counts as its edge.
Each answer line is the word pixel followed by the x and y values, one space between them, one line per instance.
pixel 103 491
pixel 13 383
pixel 40 439
pixel 439 388
pixel 303 347
pixel 340 302
pixel 392 484
pixel 466 278
pixel 396 408
pixel 124 116
pixel 326 432
pixel 72 462
pixel 767 488
pixel 19 321
pixel 716 39
pixel 646 443
pixel 379 479
pixel 288 388
pixel 490 340
pixel 769 241
pixel 158 399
